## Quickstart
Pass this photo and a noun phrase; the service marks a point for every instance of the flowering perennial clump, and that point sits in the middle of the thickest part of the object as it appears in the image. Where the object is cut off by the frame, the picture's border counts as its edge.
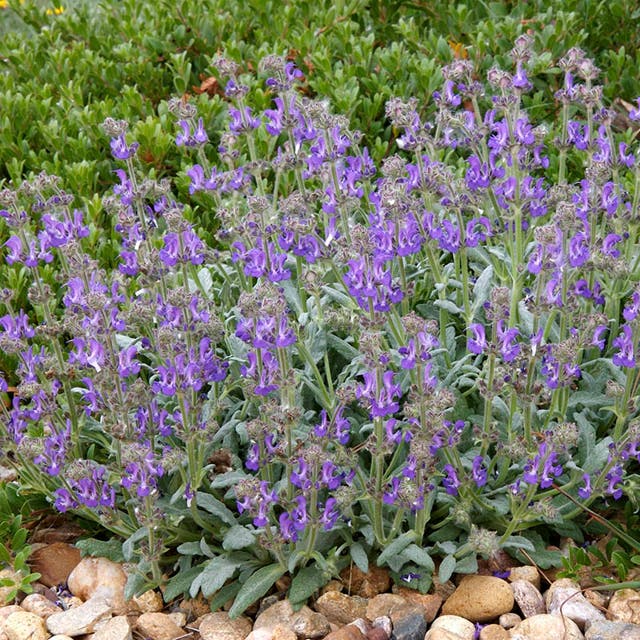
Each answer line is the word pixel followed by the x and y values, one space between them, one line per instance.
pixel 399 356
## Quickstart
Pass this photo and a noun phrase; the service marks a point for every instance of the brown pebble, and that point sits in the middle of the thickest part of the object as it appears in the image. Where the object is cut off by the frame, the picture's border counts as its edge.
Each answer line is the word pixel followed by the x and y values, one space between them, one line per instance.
pixel 348 632
pixel 494 632
pixel 377 633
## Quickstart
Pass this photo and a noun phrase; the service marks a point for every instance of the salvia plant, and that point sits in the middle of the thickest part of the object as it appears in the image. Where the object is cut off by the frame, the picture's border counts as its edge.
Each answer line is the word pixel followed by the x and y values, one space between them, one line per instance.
pixel 426 359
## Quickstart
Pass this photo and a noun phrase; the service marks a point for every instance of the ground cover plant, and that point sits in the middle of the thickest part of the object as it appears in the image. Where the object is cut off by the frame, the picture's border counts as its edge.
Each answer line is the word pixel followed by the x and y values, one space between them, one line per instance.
pixel 309 352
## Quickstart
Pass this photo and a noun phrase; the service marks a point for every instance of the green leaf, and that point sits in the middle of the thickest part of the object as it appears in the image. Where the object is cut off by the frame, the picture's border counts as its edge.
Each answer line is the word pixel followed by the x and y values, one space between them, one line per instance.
pixel 228 479
pixel 180 583
pixel 468 564
pixel 396 547
pixel 135 583
pixel 110 549
pixel 306 583
pixel 256 585
pixel 214 575
pixel 222 596
pixel 129 545
pixel 359 557
pixel 342 347
pixel 238 537
pixel 447 567
pixel 420 556
pixel 189 549
pixel 207 502
pixel 518 542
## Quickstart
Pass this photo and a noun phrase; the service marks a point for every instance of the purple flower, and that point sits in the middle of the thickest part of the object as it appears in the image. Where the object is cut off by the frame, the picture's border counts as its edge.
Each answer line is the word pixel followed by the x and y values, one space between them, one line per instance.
pixel 120 150
pixel 478 472
pixel 477 231
pixel 578 250
pixel 477 342
pixel 509 348
pixel 127 365
pixel 330 514
pixel 585 491
pixel 614 478
pixel 625 357
pixel 450 482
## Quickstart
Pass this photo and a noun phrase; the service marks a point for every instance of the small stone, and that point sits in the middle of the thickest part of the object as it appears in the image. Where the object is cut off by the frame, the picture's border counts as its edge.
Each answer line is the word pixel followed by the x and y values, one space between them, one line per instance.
pixel 606 630
pixel 377 633
pixel 528 598
pixel 263 633
pixel 79 620
pixel 348 632
pixel 195 607
pixel 178 617
pixel 281 612
pixel 24 625
pixel 493 632
pixel 116 628
pixel 219 626
pixel 40 605
pixel 149 602
pixel 363 624
pixel 54 562
pixel 7 610
pixel 547 627
pixel 282 632
pixel 562 583
pixel 443 589
pixel 443 634
pixel 310 624
pixel 411 627
pixel 571 603
pixel 456 625
pixel 340 608
pixel 94 577
pixel 509 620
pixel 384 623
pixel 60 637
pixel 7 574
pixel 624 606
pixel 383 604
pixel 599 599
pixel 332 585
pixel 480 599
pixel 365 585
pixel 158 626
pixel 528 573
pixel 431 602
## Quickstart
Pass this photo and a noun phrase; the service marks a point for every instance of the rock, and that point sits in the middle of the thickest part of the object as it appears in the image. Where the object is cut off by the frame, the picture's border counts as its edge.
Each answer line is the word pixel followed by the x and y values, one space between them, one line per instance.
pixel 547 627
pixel 219 626
pixel 60 637
pixel 365 585
pixel 24 625
pixel 599 599
pixel 528 573
pixel 348 632
pixel 178 617
pixel 79 620
pixel 562 583
pixel 95 577
pixel 195 607
pixel 280 612
pixel 377 633
pixel 363 624
pixel 6 611
pixel 624 606
pixel 443 589
pixel 7 574
pixel 443 634
pixel 116 628
pixel 158 626
pixel 383 604
pixel 340 608
pixel 149 602
pixel 509 620
pixel 40 605
pixel 480 599
pixel 606 630
pixel 282 632
pixel 409 627
pixel 263 633
pixel 310 624
pixel 570 602
pixel 332 585
pixel 493 632
pixel 431 602
pixel 384 623
pixel 456 625
pixel 54 562
pixel 528 598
